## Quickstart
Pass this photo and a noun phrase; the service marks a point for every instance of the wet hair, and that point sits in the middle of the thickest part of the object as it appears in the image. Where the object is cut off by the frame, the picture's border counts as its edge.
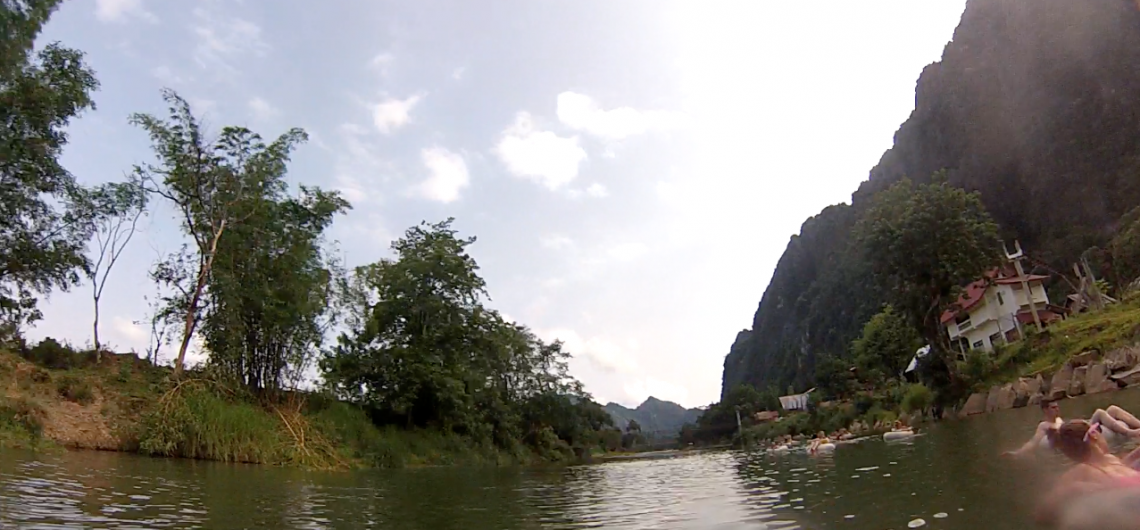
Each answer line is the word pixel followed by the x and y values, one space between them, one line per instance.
pixel 1046 402
pixel 1070 439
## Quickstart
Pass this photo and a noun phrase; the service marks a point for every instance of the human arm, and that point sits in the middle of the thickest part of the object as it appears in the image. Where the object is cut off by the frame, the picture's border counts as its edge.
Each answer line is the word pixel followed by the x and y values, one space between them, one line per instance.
pixel 1042 430
pixel 1131 458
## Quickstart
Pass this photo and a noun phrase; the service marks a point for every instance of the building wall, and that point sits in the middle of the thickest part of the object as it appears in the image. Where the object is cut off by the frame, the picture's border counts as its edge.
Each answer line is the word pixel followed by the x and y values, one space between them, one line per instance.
pixel 996 314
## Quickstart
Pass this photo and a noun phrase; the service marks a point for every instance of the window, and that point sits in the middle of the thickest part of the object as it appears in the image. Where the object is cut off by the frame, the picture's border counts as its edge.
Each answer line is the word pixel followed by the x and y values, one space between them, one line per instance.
pixel 979 344
pixel 1001 301
pixel 995 339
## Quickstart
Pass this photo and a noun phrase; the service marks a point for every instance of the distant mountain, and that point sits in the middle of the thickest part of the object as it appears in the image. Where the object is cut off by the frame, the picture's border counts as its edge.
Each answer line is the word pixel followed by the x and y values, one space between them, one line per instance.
pixel 656 417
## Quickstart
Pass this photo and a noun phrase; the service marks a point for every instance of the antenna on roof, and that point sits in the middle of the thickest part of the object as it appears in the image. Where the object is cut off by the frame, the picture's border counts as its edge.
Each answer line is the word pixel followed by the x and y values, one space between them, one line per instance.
pixel 1017 254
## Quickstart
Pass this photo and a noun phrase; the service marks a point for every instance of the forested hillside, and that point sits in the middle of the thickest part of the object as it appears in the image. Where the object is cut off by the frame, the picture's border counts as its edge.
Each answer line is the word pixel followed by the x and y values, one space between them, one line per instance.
pixel 1036 105
pixel 654 416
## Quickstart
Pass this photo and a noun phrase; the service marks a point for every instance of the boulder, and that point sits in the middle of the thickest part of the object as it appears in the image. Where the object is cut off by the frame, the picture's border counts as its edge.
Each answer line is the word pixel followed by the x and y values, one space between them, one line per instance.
pixel 1042 384
pixel 1129 378
pixel 1035 399
pixel 1096 379
pixel 1060 382
pixel 1022 393
pixel 976 404
pixel 1030 385
pixel 1122 359
pixel 1001 398
pixel 1077 381
pixel 1084 358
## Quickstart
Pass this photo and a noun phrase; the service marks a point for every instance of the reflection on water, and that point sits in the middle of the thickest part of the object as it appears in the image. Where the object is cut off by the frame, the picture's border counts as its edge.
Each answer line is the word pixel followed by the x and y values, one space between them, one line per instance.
pixel 950 477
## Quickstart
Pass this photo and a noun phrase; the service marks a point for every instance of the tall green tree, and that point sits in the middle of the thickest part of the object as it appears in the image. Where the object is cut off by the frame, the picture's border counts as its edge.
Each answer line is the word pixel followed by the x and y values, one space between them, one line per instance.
pixel 43 227
pixel 886 347
pixel 925 242
pixel 214 185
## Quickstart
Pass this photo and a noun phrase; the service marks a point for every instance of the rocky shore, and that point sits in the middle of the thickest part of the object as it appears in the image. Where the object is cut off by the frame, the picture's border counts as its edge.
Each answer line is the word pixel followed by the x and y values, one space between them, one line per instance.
pixel 1090 372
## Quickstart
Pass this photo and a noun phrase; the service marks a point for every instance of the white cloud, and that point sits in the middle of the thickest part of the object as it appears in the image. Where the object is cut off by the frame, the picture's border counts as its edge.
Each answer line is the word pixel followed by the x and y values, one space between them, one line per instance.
pixel 626 252
pixel 602 352
pixel 457 74
pixel 392 113
pixel 262 110
pixel 224 41
pixel 556 242
pixel 382 60
pixel 597 190
pixel 120 10
pixel 581 112
pixel 542 156
pixel 448 175
pixel 127 330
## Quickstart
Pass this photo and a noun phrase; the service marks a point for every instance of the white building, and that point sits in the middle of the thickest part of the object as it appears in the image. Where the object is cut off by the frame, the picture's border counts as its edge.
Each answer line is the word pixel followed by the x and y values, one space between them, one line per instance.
pixel 994 310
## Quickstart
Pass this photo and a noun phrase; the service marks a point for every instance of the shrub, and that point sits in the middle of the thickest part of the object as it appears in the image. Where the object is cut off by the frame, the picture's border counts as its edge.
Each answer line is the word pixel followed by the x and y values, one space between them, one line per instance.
pixel 191 421
pixel 917 399
pixel 49 353
pixel 21 419
pixel 75 389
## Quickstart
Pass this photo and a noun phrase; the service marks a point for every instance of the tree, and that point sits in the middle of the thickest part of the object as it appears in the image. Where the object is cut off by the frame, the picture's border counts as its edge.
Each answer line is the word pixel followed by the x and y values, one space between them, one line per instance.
pixel 1124 251
pixel 207 182
pixel 886 347
pixel 633 426
pixel 119 207
pixel 833 377
pixel 924 243
pixel 43 227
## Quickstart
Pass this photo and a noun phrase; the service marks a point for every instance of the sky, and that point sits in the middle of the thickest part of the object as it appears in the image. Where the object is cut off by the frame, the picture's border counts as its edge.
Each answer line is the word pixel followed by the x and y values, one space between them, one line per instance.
pixel 632 170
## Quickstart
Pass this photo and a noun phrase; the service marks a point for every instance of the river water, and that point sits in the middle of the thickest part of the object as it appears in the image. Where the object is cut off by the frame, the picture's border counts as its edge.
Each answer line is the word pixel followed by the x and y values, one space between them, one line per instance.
pixel 950 477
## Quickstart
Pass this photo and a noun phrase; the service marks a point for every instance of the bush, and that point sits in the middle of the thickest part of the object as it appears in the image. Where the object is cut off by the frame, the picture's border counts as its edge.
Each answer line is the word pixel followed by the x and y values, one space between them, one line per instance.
pixel 75 389
pixel 21 423
pixel 918 398
pixel 50 354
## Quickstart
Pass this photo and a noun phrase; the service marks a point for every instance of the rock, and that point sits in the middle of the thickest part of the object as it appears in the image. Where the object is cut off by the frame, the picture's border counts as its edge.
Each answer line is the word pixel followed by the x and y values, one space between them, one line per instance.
pixel 1122 359
pixel 1084 358
pixel 1030 385
pixel 1077 381
pixel 1060 382
pixel 1042 384
pixel 1129 378
pixel 1096 379
pixel 1003 398
pixel 1035 399
pixel 976 404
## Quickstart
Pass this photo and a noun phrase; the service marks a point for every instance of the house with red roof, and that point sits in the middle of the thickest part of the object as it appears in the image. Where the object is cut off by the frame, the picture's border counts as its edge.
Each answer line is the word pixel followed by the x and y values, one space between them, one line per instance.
pixel 995 309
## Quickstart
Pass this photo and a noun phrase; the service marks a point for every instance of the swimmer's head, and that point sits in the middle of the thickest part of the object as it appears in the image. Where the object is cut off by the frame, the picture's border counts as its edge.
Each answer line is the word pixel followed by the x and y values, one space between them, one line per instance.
pixel 1079 440
pixel 1051 409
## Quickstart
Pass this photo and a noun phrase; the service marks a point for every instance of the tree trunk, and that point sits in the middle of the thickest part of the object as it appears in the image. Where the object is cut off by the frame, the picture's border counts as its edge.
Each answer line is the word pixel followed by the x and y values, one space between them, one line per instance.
pixel 192 308
pixel 95 330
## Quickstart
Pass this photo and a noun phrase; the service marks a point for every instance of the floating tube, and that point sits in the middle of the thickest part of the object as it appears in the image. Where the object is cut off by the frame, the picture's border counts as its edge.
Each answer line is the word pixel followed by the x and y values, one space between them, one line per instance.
pixel 780 449
pixel 897 435
pixel 825 448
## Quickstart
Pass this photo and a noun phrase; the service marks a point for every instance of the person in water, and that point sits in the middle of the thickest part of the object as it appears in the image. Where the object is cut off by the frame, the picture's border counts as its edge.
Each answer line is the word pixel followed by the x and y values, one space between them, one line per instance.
pixel 820 439
pixel 1114 418
pixel 1096 469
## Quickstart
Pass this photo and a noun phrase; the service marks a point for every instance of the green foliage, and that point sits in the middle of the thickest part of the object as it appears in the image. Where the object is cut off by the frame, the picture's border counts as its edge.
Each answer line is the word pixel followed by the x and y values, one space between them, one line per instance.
pixel 43 227
pixel 886 347
pixel 918 398
pixel 833 378
pixel 49 353
pixel 21 422
pixel 924 243
pixel 1124 250
pixel 73 388
pixel 422 351
pixel 194 422
pixel 258 276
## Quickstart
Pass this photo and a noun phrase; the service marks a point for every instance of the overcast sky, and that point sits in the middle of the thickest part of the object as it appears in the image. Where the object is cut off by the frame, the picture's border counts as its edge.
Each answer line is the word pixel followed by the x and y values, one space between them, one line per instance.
pixel 632 169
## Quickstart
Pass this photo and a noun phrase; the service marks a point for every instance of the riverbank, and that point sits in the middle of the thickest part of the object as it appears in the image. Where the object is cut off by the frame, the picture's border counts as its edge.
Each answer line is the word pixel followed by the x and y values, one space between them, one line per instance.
pixel 123 403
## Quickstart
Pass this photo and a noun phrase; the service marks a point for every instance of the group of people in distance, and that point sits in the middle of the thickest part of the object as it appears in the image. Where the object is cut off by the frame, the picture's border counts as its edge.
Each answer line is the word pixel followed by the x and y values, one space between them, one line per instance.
pixel 1102 490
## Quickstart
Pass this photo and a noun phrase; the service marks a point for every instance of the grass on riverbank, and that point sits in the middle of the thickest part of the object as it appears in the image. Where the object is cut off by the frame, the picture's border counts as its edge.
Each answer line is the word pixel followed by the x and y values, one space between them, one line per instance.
pixel 52 394
pixel 1114 327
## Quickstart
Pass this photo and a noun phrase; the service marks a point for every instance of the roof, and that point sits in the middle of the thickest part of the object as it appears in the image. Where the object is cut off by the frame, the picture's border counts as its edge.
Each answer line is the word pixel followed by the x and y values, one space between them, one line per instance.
pixel 1014 280
pixel 1046 315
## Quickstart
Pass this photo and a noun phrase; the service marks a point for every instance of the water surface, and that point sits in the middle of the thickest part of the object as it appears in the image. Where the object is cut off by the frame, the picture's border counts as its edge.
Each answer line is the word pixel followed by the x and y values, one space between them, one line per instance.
pixel 950 477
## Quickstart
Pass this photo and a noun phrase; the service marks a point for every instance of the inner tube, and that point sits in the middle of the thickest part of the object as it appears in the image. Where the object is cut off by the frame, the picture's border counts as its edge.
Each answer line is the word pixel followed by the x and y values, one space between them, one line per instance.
pixel 780 449
pixel 897 435
pixel 825 448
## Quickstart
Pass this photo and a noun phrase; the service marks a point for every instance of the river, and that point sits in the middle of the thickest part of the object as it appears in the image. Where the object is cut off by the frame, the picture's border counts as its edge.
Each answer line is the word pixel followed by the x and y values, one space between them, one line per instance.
pixel 950 477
